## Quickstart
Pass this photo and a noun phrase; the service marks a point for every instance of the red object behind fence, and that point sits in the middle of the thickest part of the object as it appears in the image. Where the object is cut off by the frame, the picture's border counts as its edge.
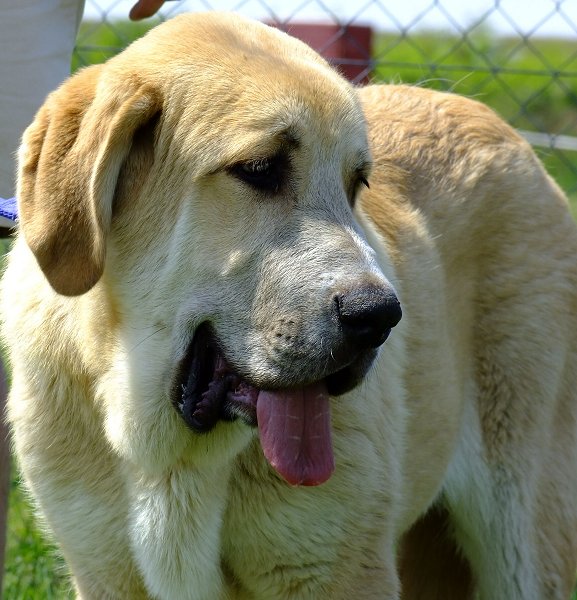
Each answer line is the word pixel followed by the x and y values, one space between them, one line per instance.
pixel 348 47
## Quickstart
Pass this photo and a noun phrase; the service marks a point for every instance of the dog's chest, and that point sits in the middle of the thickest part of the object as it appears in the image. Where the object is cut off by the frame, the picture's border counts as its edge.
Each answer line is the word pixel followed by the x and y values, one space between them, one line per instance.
pixel 280 541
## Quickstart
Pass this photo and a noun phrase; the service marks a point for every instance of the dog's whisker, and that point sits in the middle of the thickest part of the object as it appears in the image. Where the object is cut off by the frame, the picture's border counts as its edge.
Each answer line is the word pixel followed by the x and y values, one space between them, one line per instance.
pixel 155 332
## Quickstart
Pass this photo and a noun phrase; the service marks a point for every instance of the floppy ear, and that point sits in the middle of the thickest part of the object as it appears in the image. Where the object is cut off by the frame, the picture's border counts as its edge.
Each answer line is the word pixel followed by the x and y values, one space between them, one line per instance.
pixel 69 164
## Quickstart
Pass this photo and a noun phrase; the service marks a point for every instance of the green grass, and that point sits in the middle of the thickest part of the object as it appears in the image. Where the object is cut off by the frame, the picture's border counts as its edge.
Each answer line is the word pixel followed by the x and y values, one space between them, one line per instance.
pixel 33 570
pixel 531 85
pixel 514 79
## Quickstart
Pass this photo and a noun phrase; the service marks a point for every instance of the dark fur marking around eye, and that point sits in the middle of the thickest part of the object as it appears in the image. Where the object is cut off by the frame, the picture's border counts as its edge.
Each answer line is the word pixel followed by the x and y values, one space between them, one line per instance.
pixel 360 179
pixel 266 174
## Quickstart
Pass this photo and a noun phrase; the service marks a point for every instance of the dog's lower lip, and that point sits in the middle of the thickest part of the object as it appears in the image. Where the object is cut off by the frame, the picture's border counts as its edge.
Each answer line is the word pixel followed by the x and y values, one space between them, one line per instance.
pixel 293 420
pixel 340 382
pixel 203 382
pixel 208 389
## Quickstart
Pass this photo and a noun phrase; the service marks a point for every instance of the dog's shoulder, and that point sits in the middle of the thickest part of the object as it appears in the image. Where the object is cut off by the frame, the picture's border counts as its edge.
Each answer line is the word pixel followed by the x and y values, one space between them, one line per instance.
pixel 453 161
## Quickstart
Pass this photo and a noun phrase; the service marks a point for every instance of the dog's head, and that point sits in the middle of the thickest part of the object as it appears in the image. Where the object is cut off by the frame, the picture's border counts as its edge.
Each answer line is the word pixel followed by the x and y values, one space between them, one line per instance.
pixel 206 177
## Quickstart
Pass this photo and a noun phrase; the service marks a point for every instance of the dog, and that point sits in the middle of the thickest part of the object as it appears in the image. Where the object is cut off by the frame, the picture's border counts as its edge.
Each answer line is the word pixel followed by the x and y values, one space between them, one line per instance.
pixel 276 337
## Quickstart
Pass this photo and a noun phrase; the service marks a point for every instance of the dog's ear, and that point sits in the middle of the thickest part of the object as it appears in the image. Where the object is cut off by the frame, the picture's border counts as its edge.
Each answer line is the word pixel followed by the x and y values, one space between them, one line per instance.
pixel 68 169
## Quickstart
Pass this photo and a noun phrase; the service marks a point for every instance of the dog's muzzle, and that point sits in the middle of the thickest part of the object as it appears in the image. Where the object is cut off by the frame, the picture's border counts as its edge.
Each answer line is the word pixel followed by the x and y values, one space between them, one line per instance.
pixel 293 419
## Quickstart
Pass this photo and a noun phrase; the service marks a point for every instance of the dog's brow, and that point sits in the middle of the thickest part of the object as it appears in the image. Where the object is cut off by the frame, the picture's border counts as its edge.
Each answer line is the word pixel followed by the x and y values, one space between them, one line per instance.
pixel 290 138
pixel 271 143
pixel 280 138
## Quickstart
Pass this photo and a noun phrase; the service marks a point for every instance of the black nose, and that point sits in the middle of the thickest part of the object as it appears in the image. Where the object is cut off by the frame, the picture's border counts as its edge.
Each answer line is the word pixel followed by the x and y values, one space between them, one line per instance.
pixel 367 314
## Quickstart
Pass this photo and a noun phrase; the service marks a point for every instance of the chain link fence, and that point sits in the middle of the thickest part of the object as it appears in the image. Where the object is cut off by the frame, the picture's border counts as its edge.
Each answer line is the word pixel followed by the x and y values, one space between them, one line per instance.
pixel 516 56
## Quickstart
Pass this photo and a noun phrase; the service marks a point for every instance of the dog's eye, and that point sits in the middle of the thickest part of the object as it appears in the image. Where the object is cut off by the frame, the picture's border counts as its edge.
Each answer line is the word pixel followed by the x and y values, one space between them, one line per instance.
pixel 363 181
pixel 360 180
pixel 263 174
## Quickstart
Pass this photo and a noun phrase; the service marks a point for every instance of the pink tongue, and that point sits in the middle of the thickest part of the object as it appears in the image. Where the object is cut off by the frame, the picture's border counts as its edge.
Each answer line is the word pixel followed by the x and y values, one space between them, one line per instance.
pixel 295 433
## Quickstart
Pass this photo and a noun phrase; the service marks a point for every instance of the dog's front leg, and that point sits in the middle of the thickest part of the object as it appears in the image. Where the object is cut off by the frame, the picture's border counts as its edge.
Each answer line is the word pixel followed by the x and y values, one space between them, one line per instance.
pixel 175 530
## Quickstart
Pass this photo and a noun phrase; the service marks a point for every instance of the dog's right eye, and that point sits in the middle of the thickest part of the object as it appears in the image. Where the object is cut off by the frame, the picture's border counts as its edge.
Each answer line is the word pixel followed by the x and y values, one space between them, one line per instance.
pixel 263 174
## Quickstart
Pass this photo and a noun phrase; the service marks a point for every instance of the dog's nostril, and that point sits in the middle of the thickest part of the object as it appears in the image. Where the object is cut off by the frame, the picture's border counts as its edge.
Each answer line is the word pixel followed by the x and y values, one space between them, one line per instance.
pixel 367 314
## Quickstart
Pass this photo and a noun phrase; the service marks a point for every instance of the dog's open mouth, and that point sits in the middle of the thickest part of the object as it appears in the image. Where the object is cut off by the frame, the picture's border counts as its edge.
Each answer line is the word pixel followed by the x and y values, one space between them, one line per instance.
pixel 293 423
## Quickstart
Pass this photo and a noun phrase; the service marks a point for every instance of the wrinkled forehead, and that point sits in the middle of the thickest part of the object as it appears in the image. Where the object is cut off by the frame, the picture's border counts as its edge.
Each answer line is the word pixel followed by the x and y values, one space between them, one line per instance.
pixel 295 106
pixel 254 88
pixel 295 114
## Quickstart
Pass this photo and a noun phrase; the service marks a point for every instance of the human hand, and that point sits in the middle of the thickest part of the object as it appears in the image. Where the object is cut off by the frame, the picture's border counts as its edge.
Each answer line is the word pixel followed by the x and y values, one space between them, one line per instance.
pixel 144 8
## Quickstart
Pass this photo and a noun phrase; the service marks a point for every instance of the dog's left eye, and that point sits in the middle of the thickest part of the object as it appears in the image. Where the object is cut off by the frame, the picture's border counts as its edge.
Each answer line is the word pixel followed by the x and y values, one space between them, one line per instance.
pixel 360 181
pixel 263 174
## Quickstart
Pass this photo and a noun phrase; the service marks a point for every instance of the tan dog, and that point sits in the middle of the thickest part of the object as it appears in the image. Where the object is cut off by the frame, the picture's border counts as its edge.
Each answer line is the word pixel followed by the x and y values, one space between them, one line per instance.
pixel 189 267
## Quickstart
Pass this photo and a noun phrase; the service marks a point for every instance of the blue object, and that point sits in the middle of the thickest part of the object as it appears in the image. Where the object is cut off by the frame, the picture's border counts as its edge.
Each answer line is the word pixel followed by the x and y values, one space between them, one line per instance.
pixel 8 212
